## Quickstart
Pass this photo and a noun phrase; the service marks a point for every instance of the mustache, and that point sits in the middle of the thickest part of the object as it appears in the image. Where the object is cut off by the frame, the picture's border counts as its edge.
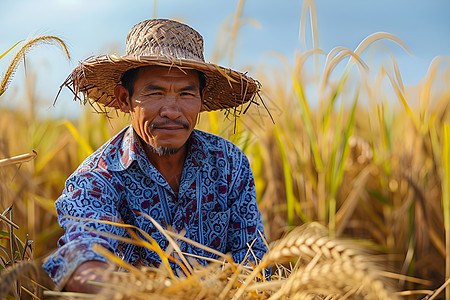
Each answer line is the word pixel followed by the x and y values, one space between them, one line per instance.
pixel 169 122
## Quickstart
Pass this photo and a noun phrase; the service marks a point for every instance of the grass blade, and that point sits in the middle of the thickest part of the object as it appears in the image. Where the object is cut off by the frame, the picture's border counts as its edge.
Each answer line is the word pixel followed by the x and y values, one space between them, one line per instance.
pixel 81 141
pixel 397 88
pixel 289 187
pixel 306 118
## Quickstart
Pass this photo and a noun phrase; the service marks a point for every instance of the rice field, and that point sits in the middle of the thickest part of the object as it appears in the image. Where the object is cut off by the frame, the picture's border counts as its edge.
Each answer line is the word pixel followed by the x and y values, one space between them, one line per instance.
pixel 352 179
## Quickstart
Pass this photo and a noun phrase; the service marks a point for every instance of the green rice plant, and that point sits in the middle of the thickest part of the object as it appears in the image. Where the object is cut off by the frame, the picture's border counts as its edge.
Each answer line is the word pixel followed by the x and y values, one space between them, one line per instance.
pixel 292 205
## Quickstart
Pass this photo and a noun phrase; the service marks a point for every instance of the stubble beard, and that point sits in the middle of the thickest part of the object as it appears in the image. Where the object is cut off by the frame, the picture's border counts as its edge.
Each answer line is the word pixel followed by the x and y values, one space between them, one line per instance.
pixel 164 151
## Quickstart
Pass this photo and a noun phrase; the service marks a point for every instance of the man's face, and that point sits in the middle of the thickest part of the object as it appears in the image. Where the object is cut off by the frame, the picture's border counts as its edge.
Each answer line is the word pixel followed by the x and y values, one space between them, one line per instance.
pixel 164 106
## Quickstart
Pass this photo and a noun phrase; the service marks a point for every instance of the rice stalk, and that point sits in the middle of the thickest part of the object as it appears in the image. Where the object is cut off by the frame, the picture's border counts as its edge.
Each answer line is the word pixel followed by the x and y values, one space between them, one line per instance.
pixel 5 219
pixel 438 291
pixel 7 51
pixel 237 23
pixel 400 95
pixel 4 82
pixel 290 197
pixel 18 159
pixel 306 118
pixel 377 36
pixel 337 278
pixel 305 242
pixel 331 62
pixel 135 240
pixel 69 295
pixel 133 270
pixel 324 268
pixel 337 172
pixel 155 6
pixel 426 88
pixel 309 4
pixel 234 30
pixel 446 199
pixel 385 126
pixel 171 241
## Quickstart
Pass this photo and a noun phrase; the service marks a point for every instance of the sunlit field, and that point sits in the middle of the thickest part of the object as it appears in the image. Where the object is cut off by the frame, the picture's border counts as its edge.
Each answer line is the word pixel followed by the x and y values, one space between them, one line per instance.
pixel 348 159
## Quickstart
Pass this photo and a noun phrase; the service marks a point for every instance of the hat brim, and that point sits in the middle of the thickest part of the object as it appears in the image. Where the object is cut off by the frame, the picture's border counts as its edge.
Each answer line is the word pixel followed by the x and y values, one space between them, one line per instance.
pixel 96 78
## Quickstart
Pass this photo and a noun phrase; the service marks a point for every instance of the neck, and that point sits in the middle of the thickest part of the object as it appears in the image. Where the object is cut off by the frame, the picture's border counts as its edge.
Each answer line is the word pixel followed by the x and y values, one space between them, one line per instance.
pixel 170 166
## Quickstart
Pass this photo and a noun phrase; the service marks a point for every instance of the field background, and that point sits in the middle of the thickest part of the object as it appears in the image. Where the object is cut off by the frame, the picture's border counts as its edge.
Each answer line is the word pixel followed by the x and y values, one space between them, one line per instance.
pixel 347 143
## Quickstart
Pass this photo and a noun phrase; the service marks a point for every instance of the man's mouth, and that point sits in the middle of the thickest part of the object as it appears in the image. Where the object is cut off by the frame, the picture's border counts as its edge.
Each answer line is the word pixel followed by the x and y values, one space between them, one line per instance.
pixel 169 125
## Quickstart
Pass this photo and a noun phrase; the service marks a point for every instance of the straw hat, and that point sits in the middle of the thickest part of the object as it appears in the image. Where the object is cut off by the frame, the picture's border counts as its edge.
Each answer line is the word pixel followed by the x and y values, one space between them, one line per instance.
pixel 160 42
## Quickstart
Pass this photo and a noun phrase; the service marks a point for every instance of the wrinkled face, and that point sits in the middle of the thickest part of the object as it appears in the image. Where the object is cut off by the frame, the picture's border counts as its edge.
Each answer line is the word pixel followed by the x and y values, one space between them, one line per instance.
pixel 164 106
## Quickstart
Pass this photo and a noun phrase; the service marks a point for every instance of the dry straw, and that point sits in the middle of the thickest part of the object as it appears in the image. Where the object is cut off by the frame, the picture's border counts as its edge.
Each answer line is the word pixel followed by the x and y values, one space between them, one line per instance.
pixel 324 269
pixel 17 159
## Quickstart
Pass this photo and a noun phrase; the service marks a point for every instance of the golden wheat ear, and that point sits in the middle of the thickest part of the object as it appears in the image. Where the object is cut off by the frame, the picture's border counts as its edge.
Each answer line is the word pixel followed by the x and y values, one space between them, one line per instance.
pixel 307 241
pixel 324 268
pixel 4 82
pixel 330 267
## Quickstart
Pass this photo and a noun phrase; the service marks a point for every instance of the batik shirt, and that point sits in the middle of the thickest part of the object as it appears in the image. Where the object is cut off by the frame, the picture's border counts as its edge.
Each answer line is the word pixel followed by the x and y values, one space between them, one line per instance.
pixel 215 206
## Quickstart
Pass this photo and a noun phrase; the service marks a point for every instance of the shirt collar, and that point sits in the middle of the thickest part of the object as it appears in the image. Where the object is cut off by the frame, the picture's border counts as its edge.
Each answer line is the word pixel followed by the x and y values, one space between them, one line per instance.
pixel 122 150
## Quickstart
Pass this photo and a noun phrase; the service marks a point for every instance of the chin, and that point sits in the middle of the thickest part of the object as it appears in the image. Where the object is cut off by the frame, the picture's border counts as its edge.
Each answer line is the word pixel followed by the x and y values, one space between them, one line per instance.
pixel 166 151
pixel 167 148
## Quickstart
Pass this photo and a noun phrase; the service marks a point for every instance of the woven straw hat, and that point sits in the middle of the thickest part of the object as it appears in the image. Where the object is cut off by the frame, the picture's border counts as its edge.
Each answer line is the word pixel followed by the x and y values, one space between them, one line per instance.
pixel 160 42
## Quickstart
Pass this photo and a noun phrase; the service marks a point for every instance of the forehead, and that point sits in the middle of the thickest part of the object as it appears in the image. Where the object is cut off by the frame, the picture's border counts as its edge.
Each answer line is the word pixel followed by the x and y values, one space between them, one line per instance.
pixel 159 73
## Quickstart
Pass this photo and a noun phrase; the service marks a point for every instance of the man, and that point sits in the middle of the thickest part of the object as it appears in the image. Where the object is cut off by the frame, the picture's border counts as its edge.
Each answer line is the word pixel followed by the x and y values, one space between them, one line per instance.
pixel 159 165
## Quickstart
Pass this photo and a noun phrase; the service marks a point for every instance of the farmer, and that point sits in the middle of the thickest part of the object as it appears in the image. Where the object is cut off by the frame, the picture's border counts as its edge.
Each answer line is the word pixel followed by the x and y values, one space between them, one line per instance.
pixel 195 182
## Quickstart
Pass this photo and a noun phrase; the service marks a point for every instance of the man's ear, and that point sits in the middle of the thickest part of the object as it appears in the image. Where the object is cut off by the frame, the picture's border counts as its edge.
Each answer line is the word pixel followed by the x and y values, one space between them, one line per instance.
pixel 122 98
pixel 202 94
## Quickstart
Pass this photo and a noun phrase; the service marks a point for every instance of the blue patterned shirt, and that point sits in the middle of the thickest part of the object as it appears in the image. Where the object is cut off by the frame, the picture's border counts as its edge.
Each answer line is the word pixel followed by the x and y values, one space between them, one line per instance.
pixel 216 203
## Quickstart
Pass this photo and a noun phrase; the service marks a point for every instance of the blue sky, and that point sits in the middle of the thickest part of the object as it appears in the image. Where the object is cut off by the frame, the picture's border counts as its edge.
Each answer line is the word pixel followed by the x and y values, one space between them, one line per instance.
pixel 93 27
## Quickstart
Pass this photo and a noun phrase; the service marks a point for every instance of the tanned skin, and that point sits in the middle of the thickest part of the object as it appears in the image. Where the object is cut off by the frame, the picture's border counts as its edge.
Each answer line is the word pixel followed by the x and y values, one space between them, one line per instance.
pixel 164 108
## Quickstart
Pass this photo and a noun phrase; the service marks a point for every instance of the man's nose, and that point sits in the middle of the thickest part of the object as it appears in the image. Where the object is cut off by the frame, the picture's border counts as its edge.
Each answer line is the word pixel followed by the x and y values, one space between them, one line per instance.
pixel 170 108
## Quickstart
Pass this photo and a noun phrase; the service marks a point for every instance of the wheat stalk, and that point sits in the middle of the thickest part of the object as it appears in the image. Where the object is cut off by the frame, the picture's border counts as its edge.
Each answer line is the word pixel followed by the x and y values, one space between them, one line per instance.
pixel 17 159
pixel 340 278
pixel 324 266
pixel 22 52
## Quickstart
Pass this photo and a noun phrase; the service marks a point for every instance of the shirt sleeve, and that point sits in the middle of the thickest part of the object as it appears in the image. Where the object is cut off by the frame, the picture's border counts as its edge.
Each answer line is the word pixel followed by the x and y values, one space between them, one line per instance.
pixel 245 219
pixel 86 195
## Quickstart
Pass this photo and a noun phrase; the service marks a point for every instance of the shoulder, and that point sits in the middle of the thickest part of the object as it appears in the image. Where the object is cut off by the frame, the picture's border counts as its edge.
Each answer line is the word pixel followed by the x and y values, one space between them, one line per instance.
pixel 98 168
pixel 106 157
pixel 217 145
